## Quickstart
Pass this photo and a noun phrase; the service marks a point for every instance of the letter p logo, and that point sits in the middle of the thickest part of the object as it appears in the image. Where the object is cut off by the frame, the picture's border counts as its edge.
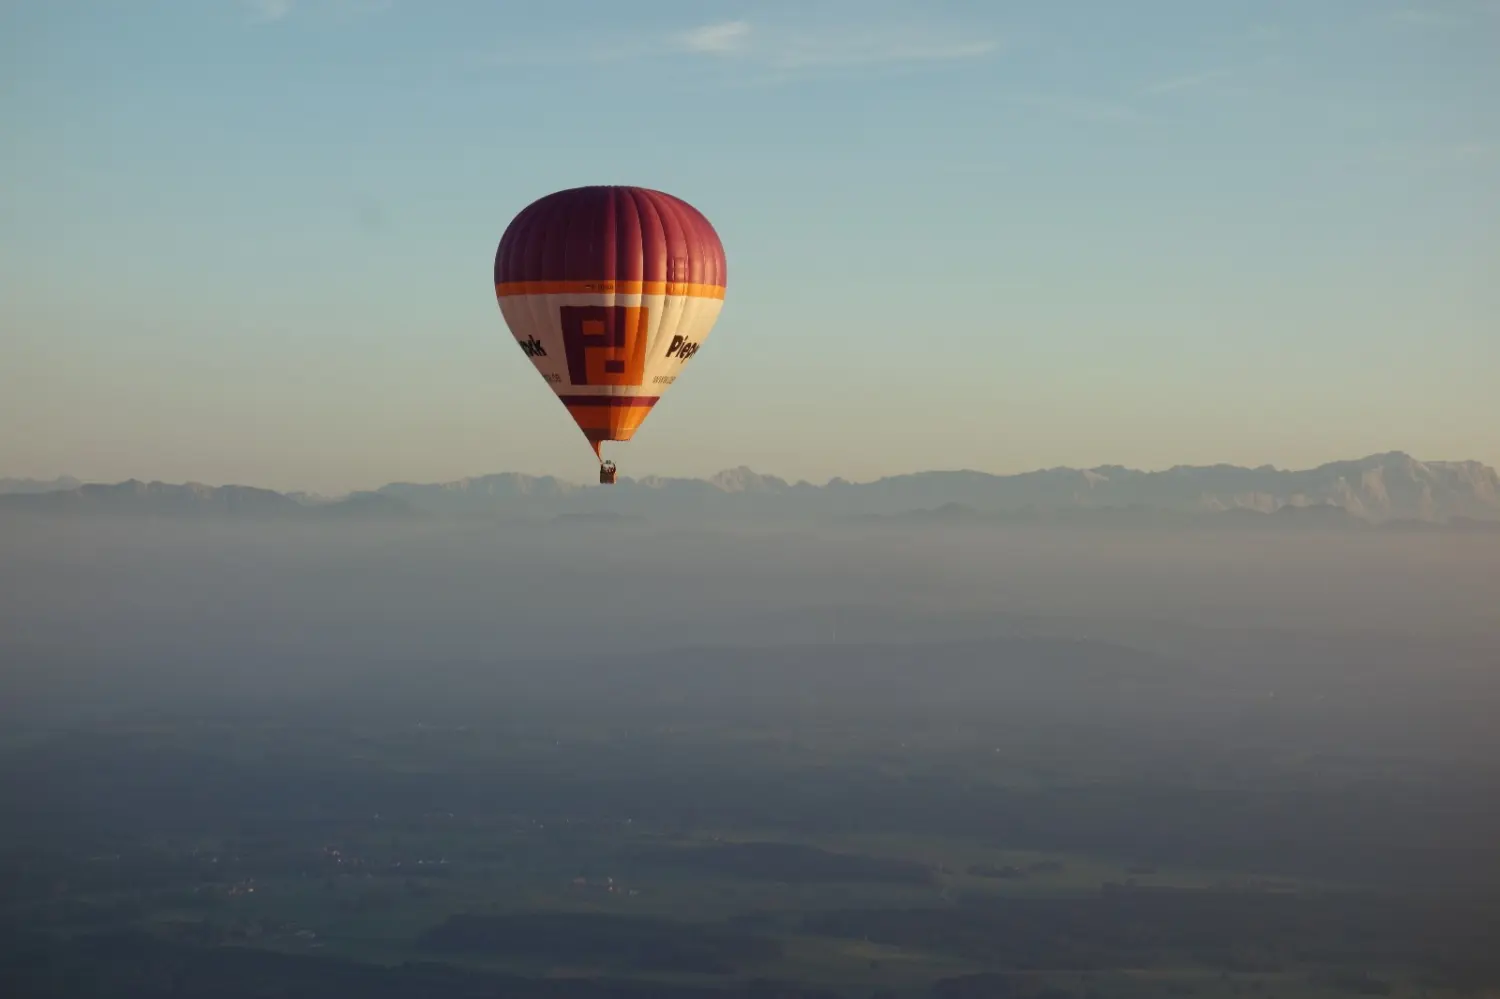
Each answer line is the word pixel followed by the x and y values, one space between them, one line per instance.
pixel 605 344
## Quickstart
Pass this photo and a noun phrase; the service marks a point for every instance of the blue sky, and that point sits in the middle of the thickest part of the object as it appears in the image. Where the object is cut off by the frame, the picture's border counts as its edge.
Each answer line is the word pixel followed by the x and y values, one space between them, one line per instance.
pixel 251 242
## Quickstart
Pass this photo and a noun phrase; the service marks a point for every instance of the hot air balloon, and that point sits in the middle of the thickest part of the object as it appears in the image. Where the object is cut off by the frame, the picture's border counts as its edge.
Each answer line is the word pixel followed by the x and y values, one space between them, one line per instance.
pixel 610 291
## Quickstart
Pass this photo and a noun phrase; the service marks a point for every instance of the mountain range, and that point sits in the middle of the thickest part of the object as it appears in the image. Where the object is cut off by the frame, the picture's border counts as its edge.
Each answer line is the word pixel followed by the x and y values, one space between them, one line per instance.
pixel 1391 489
pixel 10 487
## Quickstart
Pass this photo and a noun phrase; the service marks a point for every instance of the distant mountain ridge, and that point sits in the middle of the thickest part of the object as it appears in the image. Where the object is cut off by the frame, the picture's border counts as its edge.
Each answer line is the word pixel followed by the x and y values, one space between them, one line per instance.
pixel 10 487
pixel 1389 488
pixel 193 499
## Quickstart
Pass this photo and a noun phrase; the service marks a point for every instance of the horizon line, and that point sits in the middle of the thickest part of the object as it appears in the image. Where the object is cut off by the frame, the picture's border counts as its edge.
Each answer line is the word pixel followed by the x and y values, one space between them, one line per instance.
pixel 81 482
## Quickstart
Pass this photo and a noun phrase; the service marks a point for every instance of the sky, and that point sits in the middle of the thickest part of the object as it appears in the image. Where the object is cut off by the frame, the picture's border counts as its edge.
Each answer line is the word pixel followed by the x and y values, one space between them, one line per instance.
pixel 252 242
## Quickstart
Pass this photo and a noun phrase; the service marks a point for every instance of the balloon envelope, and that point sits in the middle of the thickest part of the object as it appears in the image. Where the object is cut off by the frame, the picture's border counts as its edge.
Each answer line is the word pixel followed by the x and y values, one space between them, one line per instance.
pixel 610 291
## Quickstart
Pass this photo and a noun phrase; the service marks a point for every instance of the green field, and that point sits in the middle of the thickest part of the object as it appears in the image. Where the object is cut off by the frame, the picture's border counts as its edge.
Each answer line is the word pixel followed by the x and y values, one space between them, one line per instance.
pixel 554 893
pixel 759 831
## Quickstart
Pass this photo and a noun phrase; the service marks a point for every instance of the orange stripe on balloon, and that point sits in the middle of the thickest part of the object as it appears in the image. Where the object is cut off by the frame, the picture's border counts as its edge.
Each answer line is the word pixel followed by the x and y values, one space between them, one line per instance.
pixel 609 418
pixel 675 288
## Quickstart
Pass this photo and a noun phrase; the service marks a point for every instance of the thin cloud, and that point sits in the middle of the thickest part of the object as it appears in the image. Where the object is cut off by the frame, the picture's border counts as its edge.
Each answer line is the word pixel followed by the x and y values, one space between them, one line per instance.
pixel 873 48
pixel 1082 108
pixel 1422 16
pixel 269 10
pixel 1440 14
pixel 716 39
pixel 779 52
pixel 357 7
pixel 1179 84
pixel 1441 155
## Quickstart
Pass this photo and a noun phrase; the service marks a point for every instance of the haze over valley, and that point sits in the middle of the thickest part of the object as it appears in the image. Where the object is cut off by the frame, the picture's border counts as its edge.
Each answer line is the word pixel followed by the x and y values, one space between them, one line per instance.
pixel 849 755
